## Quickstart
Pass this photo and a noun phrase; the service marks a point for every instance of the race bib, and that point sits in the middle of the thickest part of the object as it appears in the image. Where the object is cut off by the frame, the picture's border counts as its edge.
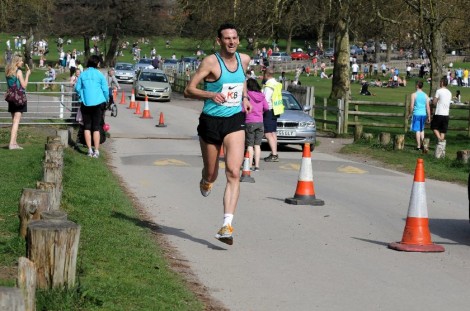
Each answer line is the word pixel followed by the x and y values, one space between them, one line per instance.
pixel 233 94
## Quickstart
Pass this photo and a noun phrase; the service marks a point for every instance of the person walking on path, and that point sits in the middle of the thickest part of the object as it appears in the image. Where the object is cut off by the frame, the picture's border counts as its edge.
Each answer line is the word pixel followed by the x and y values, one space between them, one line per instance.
pixel 269 118
pixel 222 120
pixel 254 122
pixel 14 75
pixel 93 92
pixel 420 112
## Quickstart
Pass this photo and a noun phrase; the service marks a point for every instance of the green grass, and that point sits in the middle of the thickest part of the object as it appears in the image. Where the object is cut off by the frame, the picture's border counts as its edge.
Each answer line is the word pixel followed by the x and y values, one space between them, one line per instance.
pixel 120 266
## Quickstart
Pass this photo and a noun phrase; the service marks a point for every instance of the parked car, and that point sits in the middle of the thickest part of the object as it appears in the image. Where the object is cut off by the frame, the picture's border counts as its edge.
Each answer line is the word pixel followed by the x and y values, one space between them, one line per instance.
pixel 153 83
pixel 295 125
pixel 299 55
pixel 280 57
pixel 170 63
pixel 356 50
pixel 143 63
pixel 124 72
pixel 191 62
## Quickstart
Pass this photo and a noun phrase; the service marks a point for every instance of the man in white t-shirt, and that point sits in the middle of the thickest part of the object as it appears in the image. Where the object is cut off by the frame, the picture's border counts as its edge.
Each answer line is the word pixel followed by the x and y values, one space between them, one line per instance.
pixel 440 120
pixel 355 70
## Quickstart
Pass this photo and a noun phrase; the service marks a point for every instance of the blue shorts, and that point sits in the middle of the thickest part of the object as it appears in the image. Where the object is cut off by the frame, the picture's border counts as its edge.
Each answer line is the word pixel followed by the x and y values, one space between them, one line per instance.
pixel 418 123
pixel 270 122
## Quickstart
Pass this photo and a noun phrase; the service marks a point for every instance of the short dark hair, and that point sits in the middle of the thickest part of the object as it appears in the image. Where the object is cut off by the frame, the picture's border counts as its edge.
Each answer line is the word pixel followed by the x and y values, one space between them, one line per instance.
pixel 252 85
pixel 444 81
pixel 93 61
pixel 223 27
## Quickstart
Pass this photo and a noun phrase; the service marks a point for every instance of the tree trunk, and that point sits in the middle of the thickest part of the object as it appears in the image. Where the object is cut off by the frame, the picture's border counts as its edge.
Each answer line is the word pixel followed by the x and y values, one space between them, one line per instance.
pixel 289 40
pixel 86 46
pixel 53 246
pixel 436 57
pixel 341 82
pixel 27 279
pixel 111 54
pixel 27 49
pixel 320 31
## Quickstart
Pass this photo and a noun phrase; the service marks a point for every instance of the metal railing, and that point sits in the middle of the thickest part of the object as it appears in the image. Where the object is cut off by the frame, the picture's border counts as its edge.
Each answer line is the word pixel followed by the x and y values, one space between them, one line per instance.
pixel 56 105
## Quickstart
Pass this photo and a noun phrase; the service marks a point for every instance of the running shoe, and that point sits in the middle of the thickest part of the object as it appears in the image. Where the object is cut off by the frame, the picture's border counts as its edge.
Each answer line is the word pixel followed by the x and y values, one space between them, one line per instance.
pixel 272 158
pixel 205 187
pixel 225 235
pixel 90 154
pixel 96 154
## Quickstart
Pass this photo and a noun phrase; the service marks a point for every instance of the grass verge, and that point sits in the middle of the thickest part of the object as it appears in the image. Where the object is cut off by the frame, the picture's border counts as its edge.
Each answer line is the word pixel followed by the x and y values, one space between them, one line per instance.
pixel 120 267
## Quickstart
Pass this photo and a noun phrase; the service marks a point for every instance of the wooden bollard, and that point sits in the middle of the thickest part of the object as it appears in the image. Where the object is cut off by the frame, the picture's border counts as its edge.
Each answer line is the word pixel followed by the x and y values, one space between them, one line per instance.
pixel 53 174
pixel 358 132
pixel 384 138
pixel 64 137
pixel 399 142
pixel 54 215
pixel 368 137
pixel 32 203
pixel 53 246
pixel 54 195
pixel 51 139
pixel 27 282
pixel 426 145
pixel 11 299
pixel 463 155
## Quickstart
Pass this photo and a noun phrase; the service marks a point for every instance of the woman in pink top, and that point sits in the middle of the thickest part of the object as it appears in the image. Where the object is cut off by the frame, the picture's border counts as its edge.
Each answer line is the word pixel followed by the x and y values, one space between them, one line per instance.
pixel 254 121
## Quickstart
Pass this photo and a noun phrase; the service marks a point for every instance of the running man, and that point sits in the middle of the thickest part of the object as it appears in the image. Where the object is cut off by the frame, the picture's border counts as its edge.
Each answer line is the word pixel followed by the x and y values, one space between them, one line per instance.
pixel 222 120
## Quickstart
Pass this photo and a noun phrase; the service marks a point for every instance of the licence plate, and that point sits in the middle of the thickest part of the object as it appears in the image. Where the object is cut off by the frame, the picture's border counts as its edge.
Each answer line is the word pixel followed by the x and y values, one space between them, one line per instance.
pixel 154 94
pixel 124 78
pixel 285 133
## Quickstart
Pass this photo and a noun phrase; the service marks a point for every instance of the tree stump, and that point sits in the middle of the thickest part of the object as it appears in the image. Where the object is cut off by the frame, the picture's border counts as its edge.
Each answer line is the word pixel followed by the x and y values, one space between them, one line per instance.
pixel 11 299
pixel 54 215
pixel 53 174
pixel 54 156
pixel 51 139
pixel 358 132
pixel 53 246
pixel 384 138
pixel 368 137
pixel 27 282
pixel 32 203
pixel 54 195
pixel 399 142
pixel 440 151
pixel 64 137
pixel 463 155
pixel 426 145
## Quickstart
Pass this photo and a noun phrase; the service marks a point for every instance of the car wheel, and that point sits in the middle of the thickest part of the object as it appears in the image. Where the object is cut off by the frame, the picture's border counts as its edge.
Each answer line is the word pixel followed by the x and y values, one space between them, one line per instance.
pixel 114 110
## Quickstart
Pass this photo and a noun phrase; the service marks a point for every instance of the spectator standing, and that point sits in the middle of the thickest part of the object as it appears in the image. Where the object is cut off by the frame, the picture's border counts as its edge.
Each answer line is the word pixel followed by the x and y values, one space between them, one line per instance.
pixel 254 122
pixel 72 65
pixel 14 75
pixel 420 113
pixel 269 118
pixel 465 77
pixel 93 91
pixel 440 120
pixel 222 120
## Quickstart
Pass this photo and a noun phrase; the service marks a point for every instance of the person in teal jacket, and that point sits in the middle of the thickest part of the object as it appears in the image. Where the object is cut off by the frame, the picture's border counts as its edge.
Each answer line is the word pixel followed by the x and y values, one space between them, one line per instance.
pixel 93 90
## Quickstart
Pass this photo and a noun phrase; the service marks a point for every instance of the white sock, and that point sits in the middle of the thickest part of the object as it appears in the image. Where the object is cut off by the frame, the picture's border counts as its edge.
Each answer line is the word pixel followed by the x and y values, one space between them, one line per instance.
pixel 227 219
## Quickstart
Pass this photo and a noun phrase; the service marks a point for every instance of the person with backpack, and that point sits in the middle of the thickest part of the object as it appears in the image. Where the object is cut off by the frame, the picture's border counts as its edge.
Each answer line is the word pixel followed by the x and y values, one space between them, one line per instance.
pixel 273 93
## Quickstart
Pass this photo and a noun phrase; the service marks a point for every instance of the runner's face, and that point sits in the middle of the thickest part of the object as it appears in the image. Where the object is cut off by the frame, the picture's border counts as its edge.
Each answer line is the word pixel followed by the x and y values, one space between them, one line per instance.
pixel 229 40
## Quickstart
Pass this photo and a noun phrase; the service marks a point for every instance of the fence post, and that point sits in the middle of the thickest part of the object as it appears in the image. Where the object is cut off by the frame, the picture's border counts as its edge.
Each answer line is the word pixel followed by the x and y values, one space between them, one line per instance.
pixel 407 108
pixel 325 104
pixel 468 131
pixel 340 115
pixel 312 101
pixel 61 107
pixel 346 115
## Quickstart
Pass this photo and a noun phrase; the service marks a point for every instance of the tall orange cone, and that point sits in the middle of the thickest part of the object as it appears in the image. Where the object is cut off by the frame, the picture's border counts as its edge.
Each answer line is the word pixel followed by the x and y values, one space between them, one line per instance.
pixel 146 114
pixel 115 93
pixel 246 173
pixel 137 109
pixel 305 192
pixel 416 236
pixel 132 103
pixel 161 121
pixel 123 99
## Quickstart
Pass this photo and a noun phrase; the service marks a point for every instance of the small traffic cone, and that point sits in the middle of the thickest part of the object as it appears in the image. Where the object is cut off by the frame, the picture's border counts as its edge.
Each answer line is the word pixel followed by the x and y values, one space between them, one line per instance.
pixel 115 93
pixel 416 236
pixel 137 109
pixel 221 152
pixel 246 170
pixel 132 103
pixel 146 114
pixel 161 122
pixel 305 192
pixel 123 99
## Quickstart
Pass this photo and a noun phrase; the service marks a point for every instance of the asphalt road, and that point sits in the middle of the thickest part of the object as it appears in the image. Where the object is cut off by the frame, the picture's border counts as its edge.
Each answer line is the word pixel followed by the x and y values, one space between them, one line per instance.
pixel 288 257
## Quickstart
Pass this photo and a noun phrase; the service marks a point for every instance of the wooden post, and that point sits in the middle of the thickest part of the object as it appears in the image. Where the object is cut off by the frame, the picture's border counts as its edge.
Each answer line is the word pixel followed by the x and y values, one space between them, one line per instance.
pixel 54 215
pixel 463 155
pixel 426 145
pixel 346 115
pixel 358 132
pixel 32 203
pixel 64 137
pixel 27 279
pixel 325 106
pixel 399 142
pixel 54 200
pixel 53 246
pixel 407 108
pixel 11 299
pixel 51 139
pixel 384 138
pixel 53 174
pixel 368 137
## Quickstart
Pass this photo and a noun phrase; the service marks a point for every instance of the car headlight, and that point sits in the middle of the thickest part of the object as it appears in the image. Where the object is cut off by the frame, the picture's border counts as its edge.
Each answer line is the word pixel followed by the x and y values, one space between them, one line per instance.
pixel 141 88
pixel 167 89
pixel 309 124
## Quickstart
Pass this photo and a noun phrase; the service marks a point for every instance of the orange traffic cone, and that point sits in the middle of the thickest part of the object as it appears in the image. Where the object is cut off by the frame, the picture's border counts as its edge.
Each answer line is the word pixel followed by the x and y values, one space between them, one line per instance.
pixel 161 122
pixel 305 192
pixel 221 152
pixel 132 103
pixel 137 109
pixel 146 114
pixel 115 94
pixel 416 236
pixel 123 99
pixel 246 176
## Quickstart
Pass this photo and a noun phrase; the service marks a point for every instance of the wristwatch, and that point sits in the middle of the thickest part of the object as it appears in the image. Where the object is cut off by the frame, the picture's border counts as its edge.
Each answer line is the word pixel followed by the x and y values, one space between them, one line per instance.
pixel 243 97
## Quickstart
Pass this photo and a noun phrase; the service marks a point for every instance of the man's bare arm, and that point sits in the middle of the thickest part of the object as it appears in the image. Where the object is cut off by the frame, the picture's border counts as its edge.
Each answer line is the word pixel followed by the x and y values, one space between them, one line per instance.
pixel 204 70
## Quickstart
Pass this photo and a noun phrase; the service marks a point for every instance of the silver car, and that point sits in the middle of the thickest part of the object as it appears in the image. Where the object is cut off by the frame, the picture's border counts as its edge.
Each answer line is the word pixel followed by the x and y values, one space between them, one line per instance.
pixel 153 83
pixel 295 125
pixel 280 57
pixel 124 72
pixel 143 63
